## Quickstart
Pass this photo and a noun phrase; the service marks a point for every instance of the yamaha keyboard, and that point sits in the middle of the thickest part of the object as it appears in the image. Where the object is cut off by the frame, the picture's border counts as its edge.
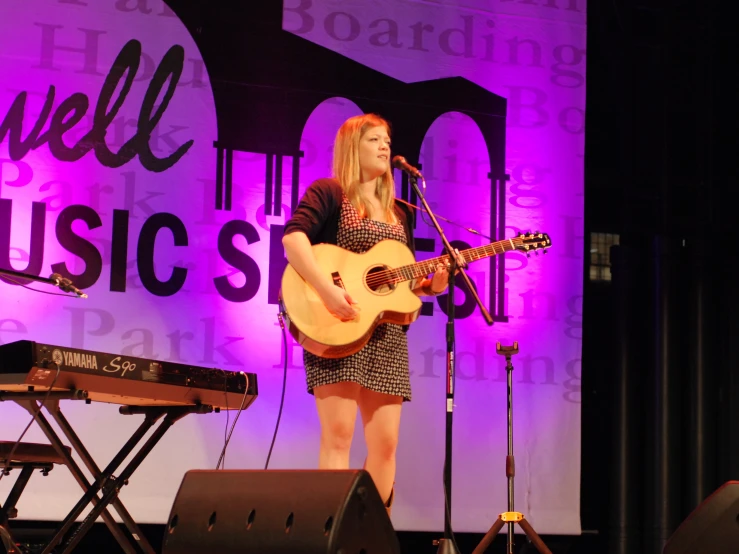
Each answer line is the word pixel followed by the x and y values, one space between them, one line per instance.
pixel 119 379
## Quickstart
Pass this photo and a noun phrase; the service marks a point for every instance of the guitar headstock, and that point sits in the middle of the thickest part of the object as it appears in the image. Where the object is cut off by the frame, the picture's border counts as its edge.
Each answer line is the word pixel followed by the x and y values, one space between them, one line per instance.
pixel 530 242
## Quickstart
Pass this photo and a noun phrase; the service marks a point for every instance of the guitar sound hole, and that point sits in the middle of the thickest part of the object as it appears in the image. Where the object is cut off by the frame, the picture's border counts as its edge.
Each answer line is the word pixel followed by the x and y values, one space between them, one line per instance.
pixel 377 282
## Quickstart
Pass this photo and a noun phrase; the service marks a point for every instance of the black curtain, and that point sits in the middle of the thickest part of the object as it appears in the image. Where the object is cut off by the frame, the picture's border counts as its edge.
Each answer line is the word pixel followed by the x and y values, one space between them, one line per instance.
pixel 661 340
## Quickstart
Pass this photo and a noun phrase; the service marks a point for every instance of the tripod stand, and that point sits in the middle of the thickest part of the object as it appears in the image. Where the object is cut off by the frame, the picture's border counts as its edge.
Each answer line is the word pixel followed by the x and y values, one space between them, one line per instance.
pixel 510 517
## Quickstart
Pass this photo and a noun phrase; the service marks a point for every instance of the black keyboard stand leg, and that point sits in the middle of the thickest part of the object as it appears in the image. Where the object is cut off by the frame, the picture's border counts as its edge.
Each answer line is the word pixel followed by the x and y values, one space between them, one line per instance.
pixel 33 408
pixel 113 486
pixel 102 478
pixel 9 510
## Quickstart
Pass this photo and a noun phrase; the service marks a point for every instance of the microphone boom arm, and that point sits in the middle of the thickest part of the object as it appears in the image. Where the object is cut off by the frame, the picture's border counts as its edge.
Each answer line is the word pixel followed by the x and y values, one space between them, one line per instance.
pixel 56 280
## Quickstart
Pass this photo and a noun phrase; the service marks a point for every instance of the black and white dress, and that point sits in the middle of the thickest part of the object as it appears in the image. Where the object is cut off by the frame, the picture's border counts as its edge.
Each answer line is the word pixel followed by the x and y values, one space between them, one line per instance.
pixel 382 365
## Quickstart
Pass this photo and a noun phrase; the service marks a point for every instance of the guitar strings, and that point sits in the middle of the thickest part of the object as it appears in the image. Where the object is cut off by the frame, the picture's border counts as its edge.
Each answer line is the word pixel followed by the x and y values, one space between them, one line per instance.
pixel 406 273
pixel 402 273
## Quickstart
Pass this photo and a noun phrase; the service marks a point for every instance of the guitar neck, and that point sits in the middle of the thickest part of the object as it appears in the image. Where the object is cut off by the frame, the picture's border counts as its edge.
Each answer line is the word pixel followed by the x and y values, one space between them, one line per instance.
pixel 426 267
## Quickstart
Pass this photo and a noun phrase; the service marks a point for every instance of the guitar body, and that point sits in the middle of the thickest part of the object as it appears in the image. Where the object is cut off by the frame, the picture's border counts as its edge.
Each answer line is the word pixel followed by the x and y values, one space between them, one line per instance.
pixel 319 332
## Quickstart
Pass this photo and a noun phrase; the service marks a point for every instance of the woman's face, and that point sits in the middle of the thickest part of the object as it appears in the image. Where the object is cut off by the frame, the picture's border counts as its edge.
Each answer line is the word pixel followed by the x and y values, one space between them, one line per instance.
pixel 374 153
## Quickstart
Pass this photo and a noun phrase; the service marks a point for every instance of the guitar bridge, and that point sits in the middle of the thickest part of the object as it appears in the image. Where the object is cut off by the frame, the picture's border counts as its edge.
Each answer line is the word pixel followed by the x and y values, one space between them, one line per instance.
pixel 337 280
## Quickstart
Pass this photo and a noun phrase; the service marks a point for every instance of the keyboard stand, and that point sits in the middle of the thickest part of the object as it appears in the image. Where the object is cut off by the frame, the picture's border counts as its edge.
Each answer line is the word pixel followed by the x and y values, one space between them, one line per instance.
pixel 104 481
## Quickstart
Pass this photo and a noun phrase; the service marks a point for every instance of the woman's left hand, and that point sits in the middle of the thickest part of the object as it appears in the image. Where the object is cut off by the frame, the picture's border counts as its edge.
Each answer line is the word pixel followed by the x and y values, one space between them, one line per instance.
pixel 440 279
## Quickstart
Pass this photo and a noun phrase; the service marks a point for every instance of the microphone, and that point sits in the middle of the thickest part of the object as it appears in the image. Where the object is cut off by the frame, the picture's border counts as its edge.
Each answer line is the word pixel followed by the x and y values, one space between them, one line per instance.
pixel 66 285
pixel 400 163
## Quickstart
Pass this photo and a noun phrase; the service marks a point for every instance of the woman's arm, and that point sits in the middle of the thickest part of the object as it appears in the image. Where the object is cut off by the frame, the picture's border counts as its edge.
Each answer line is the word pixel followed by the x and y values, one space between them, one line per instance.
pixel 300 255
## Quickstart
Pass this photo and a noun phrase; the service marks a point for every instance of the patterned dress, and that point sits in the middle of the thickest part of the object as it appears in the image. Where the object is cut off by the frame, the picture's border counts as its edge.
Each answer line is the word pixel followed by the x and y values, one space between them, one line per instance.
pixel 382 365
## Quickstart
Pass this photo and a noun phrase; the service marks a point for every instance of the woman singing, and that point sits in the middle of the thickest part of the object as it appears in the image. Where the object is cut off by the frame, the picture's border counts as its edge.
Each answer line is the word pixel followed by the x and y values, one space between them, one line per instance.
pixel 355 210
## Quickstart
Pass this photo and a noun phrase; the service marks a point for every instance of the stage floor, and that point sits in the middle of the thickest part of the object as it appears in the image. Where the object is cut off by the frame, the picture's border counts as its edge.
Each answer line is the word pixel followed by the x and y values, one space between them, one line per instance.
pixel 100 540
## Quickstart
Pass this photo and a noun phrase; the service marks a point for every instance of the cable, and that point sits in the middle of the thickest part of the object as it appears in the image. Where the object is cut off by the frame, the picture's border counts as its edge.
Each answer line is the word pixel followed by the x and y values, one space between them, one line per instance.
pixel 225 429
pixel 7 541
pixel 6 538
pixel 222 457
pixel 448 512
pixel 33 418
pixel 284 386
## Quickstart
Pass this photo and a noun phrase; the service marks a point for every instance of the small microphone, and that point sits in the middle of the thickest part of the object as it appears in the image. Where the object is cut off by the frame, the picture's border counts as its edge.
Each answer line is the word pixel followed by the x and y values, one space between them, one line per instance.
pixel 399 162
pixel 66 285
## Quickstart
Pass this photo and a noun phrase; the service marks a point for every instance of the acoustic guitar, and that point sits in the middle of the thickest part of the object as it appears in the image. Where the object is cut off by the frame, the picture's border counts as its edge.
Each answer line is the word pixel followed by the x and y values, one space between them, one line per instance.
pixel 379 281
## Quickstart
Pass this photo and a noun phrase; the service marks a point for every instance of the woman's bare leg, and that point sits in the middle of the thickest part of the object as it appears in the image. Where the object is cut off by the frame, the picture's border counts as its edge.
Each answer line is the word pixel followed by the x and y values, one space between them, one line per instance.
pixel 337 412
pixel 381 420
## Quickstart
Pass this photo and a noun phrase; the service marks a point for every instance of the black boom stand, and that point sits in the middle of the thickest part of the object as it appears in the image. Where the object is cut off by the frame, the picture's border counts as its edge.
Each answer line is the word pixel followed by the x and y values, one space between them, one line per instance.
pixel 510 517
pixel 456 263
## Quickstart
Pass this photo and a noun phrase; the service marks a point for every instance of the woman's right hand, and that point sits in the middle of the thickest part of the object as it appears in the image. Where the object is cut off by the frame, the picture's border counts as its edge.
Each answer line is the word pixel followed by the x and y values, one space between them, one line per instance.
pixel 339 303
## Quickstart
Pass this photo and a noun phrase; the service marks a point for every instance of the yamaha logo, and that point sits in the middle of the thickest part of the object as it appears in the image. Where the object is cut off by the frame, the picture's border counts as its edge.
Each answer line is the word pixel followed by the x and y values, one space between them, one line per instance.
pixel 56 356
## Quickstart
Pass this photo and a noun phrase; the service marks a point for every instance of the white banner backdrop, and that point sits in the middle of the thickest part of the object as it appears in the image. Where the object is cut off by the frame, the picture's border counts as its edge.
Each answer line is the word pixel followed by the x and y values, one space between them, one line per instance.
pixel 59 54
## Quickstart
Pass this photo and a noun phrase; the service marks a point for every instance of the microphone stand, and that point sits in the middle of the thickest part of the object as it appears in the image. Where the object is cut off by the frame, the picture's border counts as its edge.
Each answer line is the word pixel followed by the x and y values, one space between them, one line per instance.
pixel 56 280
pixel 447 544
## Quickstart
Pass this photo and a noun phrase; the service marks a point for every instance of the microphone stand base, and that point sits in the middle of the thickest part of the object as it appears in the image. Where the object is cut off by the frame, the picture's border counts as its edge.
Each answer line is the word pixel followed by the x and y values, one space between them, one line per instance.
pixel 446 546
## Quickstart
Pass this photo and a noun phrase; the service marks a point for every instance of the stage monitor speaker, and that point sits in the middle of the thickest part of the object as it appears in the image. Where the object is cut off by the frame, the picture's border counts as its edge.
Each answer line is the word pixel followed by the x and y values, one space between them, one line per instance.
pixel 712 528
pixel 279 512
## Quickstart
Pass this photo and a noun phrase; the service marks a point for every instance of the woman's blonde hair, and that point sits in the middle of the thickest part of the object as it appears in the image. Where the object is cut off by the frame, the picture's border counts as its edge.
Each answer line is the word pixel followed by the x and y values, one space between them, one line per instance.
pixel 347 170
